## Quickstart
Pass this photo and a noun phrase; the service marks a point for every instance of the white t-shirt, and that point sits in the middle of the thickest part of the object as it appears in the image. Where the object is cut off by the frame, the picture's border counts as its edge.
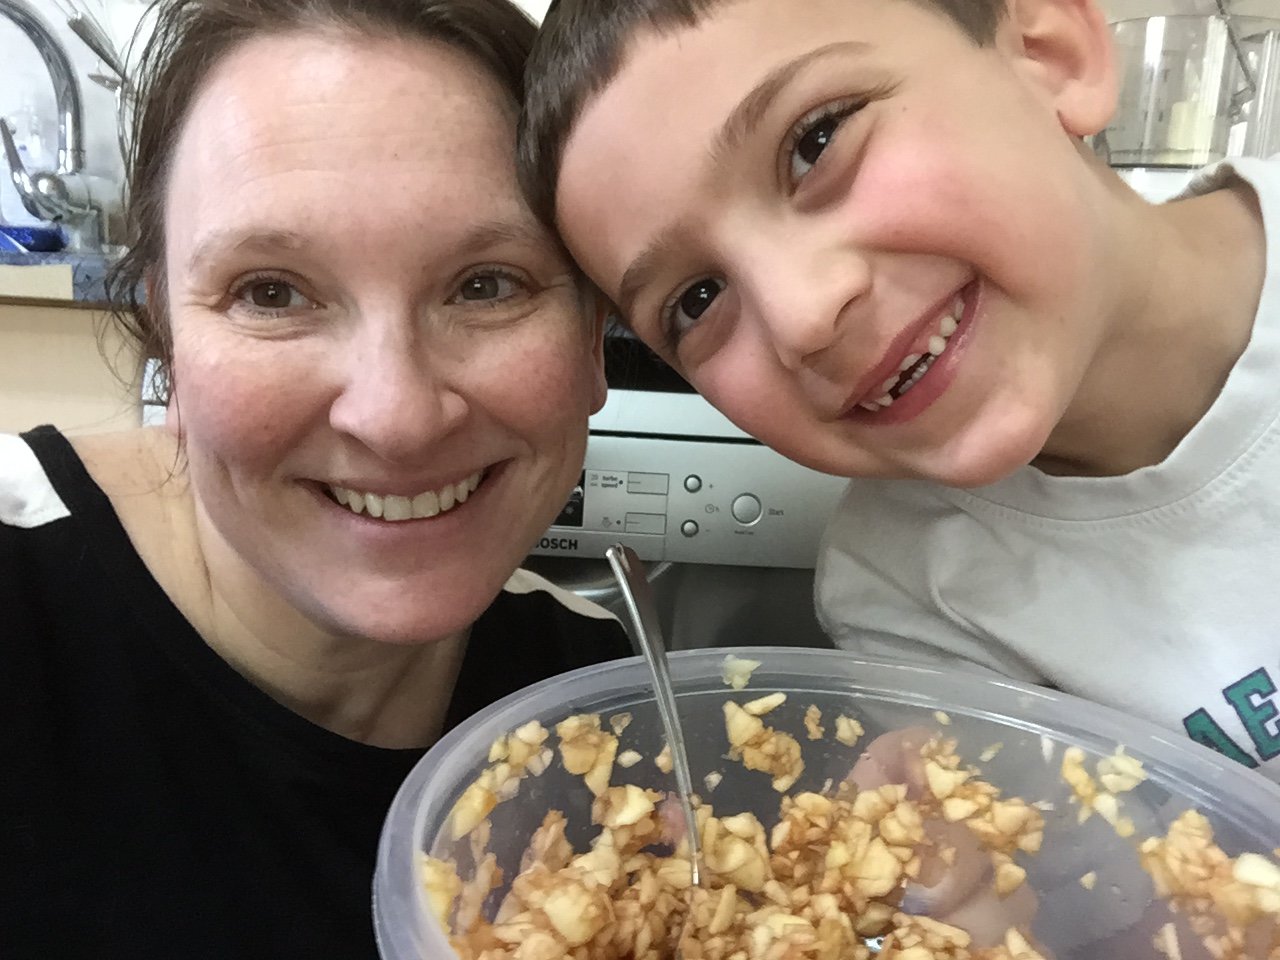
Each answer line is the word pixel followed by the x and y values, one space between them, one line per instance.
pixel 1157 592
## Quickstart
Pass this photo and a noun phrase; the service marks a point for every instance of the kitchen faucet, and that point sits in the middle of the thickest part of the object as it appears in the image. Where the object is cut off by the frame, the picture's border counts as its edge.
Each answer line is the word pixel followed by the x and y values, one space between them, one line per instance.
pixel 62 195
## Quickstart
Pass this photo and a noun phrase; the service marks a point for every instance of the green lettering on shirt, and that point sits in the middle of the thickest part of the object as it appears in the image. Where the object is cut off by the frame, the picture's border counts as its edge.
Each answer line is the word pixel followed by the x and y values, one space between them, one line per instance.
pixel 1250 697
pixel 1203 729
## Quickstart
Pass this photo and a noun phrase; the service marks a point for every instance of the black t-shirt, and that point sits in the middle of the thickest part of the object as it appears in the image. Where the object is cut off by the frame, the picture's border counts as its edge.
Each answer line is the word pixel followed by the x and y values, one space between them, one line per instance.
pixel 154 803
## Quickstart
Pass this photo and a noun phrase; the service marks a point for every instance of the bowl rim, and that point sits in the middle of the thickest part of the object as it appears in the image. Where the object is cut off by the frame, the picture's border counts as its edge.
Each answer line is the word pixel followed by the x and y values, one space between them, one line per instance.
pixel 1196 771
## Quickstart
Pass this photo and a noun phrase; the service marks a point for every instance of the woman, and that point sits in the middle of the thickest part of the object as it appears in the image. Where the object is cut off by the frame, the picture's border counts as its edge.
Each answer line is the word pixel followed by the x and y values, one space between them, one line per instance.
pixel 235 636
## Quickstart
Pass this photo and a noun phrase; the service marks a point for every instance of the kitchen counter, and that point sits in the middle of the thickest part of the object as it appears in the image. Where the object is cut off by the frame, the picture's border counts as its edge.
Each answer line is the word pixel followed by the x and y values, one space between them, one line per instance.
pixel 69 279
pixel 54 335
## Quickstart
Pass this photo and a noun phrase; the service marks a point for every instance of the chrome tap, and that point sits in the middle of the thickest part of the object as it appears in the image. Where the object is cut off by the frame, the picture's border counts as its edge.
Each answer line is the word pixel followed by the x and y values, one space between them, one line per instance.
pixel 62 195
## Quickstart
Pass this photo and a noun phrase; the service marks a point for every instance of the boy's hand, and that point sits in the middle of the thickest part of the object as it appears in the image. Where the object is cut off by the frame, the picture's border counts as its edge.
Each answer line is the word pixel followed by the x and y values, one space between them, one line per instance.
pixel 961 893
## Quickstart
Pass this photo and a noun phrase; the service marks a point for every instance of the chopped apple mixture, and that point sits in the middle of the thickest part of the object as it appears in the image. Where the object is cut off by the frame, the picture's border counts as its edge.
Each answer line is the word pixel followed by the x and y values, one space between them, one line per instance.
pixel 824 882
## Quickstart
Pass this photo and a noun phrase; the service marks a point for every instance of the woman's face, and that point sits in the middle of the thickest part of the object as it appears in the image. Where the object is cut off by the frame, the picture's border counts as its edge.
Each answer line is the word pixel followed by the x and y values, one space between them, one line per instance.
pixel 382 370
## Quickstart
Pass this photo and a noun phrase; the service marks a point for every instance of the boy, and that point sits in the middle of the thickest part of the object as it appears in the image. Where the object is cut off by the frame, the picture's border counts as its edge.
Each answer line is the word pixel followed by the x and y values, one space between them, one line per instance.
pixel 869 231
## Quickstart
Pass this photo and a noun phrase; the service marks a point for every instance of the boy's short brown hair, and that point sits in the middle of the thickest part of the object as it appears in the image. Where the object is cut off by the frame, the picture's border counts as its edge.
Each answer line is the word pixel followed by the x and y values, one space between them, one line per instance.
pixel 579 50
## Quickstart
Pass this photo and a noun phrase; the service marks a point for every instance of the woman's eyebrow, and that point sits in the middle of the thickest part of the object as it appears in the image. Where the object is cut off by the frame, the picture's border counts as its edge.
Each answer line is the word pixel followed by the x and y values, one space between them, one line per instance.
pixel 478 238
pixel 223 241
pixel 487 234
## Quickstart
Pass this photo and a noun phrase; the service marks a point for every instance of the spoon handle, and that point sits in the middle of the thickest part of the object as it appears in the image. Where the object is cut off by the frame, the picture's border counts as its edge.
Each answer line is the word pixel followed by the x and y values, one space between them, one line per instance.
pixel 644 619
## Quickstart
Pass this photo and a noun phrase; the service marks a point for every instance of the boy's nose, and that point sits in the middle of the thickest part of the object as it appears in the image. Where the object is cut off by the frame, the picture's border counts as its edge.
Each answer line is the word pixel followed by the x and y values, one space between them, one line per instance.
pixel 804 298
pixel 393 400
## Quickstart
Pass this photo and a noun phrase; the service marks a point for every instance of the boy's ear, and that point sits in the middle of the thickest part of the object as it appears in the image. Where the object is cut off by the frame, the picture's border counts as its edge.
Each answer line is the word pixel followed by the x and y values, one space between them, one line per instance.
pixel 1065 48
pixel 601 310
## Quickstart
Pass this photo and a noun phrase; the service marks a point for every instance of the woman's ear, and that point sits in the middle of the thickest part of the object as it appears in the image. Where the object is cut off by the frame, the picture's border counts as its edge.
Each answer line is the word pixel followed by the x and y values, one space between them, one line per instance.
pixel 1064 47
pixel 163 375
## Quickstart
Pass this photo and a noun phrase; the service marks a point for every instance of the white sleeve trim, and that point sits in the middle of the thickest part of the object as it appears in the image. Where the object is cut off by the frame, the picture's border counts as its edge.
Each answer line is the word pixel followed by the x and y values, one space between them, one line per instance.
pixel 526 581
pixel 27 498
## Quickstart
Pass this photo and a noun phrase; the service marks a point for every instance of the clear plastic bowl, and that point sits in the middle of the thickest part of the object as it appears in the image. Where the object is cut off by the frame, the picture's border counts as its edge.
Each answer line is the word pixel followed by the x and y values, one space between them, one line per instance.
pixel 1114 919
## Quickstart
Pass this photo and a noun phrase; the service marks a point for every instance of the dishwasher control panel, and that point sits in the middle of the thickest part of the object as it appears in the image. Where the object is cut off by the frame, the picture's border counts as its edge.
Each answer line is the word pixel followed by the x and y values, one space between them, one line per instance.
pixel 694 501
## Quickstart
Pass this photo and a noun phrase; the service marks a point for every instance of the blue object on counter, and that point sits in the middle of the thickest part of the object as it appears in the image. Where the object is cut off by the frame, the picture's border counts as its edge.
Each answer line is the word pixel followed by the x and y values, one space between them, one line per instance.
pixel 10 245
pixel 35 239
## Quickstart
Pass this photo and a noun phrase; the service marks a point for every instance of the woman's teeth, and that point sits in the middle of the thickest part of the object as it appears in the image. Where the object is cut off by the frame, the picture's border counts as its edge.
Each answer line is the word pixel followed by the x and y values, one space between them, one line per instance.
pixel 916 365
pixel 394 508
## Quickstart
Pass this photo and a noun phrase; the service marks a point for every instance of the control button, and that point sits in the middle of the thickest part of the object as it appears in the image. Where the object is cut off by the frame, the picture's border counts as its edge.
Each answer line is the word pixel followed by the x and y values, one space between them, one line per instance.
pixel 746 509
pixel 689 528
pixel 647 483
pixel 646 523
pixel 693 483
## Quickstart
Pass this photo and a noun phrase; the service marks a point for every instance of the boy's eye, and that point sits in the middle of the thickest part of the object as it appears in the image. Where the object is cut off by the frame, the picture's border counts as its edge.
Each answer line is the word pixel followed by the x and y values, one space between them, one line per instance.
pixel 812 135
pixel 484 287
pixel 811 145
pixel 689 307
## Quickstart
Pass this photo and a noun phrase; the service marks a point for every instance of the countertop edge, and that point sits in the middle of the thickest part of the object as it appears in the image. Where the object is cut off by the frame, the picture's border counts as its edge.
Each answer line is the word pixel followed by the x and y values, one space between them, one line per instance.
pixel 88 278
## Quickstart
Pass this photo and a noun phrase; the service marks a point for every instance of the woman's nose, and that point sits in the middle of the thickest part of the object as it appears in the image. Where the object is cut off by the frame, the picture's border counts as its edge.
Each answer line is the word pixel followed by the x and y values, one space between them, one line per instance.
pixel 803 296
pixel 393 400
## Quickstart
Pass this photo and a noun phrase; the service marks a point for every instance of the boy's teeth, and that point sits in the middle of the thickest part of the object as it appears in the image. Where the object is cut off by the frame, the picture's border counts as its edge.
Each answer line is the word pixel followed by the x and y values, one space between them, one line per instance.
pixel 390 507
pixel 916 365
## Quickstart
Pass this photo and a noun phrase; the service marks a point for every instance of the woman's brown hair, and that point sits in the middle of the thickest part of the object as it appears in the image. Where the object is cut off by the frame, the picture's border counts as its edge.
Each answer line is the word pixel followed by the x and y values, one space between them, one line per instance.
pixel 189 38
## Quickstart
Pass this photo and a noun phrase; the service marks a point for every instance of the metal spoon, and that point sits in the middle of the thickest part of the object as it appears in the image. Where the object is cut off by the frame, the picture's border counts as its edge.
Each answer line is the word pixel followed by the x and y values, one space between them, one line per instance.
pixel 643 613
pixel 644 620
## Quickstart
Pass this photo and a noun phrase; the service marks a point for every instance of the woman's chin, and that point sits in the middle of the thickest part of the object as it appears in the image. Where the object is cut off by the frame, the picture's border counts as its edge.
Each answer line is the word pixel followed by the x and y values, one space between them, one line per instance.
pixel 407 620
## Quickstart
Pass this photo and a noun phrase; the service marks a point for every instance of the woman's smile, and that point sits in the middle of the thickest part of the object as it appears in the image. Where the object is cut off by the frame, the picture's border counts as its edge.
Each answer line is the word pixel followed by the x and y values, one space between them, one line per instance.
pixel 397 508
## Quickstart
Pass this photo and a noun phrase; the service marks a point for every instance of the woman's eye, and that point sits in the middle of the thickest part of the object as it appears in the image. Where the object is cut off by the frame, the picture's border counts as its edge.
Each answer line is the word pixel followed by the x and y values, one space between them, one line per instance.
pixel 814 135
pixel 272 296
pixel 487 287
pixel 693 303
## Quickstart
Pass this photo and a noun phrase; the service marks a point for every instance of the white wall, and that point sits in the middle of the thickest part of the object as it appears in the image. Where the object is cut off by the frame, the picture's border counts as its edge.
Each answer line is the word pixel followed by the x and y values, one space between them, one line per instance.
pixel 23 78
pixel 535 8
pixel 24 82
pixel 1116 9
pixel 1124 9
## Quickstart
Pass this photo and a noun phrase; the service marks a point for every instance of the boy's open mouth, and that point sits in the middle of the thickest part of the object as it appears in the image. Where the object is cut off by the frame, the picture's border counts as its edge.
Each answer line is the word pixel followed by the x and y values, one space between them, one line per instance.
pixel 928 348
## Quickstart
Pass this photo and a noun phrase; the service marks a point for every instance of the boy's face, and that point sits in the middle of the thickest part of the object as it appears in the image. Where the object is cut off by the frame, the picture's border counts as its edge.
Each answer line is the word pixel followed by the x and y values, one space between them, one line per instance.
pixel 866 239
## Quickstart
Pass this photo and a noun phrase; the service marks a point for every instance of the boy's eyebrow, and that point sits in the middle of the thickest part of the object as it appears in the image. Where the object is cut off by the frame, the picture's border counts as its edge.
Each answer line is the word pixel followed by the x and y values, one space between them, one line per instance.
pixel 742 121
pixel 736 128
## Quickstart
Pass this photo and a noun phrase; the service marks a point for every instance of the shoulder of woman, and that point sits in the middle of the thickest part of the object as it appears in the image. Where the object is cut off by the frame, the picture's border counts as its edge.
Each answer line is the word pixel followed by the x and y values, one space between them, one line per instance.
pixel 132 463
pixel 143 474
pixel 129 467
pixel 28 498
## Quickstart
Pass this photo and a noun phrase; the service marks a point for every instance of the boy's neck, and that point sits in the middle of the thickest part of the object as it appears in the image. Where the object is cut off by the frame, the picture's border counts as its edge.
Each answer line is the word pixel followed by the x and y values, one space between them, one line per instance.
pixel 1195 268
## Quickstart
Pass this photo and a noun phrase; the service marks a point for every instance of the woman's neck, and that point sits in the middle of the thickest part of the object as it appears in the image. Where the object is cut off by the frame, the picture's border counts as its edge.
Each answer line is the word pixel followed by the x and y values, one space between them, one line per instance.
pixel 382 694
pixel 387 695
